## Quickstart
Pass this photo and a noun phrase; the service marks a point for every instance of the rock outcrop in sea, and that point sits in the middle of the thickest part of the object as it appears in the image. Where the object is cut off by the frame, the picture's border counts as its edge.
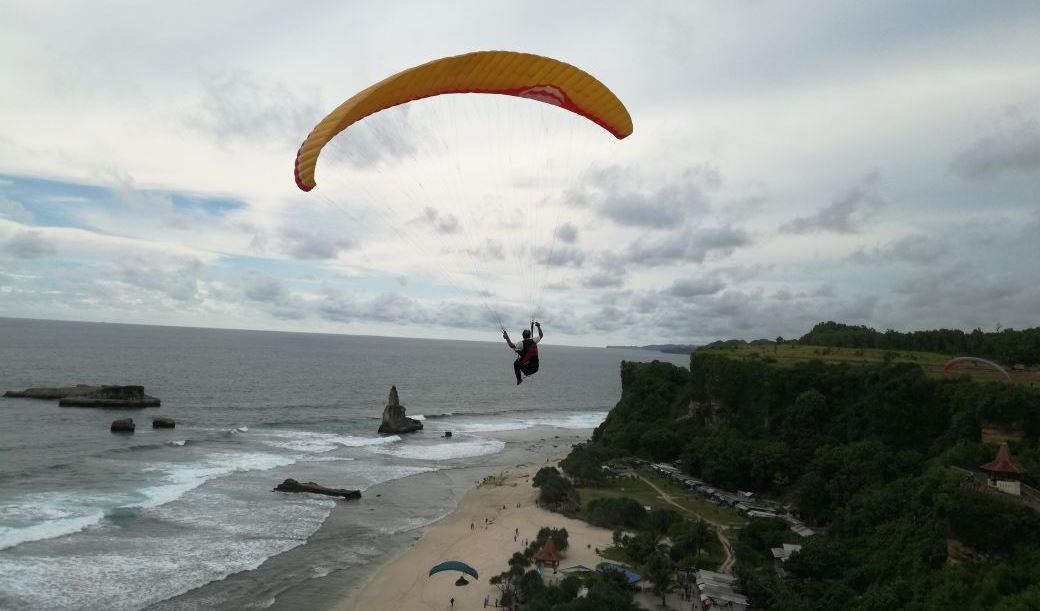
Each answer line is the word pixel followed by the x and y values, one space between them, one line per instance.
pixel 85 395
pixel 394 420
pixel 160 422
pixel 123 425
pixel 291 485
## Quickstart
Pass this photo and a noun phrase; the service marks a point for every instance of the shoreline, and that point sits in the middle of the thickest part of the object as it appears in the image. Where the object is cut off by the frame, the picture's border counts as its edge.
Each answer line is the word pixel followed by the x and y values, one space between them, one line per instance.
pixel 402 584
pixel 444 487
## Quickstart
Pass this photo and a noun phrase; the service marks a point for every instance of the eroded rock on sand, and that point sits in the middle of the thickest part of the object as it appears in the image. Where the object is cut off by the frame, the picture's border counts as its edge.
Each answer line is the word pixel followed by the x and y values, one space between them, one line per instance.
pixel 394 420
pixel 85 395
pixel 291 485
pixel 123 425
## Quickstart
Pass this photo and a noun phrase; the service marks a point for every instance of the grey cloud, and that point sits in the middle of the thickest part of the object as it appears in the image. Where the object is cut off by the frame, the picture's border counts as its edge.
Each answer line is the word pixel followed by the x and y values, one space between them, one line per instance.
pixel 956 286
pixel 237 105
pixel 611 277
pixel 314 242
pixel 611 318
pixel 917 248
pixel 743 273
pixel 688 245
pixel 441 223
pixel 621 195
pixel 266 289
pixel 567 233
pixel 560 256
pixel 396 308
pixel 1013 147
pixel 490 249
pixel 692 287
pixel 846 214
pixel 386 136
pixel 179 283
pixel 14 211
pixel 28 245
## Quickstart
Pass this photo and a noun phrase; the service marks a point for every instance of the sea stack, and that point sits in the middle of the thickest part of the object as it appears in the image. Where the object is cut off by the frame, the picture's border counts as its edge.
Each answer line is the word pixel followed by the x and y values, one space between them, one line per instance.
pixel 163 423
pixel 394 420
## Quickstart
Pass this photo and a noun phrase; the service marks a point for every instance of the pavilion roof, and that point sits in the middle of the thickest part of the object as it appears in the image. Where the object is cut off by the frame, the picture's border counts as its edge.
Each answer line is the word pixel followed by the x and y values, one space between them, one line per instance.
pixel 548 552
pixel 1003 462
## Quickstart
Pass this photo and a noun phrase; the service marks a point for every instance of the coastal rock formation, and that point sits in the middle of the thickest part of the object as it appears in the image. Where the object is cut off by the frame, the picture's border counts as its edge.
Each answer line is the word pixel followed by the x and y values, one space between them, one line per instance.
pixel 123 425
pixel 291 485
pixel 85 395
pixel 394 420
pixel 163 423
pixel 447 434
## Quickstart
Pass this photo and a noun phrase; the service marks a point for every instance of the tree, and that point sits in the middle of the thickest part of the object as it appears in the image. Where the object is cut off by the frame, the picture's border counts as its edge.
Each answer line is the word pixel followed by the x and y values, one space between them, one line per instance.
pixel 661 572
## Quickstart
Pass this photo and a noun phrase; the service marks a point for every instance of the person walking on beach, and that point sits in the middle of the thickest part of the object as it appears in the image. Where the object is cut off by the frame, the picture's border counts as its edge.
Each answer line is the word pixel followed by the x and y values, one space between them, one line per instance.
pixel 527 352
pixel 452 603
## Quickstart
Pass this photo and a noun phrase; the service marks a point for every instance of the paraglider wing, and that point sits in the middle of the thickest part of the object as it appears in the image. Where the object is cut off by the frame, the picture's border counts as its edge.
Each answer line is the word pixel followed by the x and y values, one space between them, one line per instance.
pixel 455 565
pixel 500 72
pixel 953 363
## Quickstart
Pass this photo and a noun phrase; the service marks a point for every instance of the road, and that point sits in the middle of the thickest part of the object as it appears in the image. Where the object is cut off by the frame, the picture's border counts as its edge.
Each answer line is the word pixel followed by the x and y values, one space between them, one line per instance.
pixel 727 564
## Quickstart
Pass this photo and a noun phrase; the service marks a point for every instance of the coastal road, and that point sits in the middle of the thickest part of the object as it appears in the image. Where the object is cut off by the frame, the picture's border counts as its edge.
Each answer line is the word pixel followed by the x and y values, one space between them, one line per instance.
pixel 727 564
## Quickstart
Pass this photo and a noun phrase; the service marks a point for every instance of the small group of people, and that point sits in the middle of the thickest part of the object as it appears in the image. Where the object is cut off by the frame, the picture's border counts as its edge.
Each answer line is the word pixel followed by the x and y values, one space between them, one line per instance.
pixel 526 362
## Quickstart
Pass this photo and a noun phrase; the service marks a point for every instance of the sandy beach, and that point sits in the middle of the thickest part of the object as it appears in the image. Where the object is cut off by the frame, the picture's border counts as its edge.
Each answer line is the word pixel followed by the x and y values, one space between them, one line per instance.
pixel 509 507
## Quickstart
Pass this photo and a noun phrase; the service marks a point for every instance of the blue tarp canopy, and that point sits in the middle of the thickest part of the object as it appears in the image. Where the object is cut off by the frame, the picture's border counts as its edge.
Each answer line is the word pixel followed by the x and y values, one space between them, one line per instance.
pixel 455 565
pixel 630 577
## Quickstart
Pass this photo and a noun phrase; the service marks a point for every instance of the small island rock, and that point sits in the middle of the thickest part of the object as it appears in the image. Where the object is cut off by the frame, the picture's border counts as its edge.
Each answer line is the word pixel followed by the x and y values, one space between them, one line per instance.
pixel 447 433
pixel 123 425
pixel 394 420
pixel 163 423
pixel 291 485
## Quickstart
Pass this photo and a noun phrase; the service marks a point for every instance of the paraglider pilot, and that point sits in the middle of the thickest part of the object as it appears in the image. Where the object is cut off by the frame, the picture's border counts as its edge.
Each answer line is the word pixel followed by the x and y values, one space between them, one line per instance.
pixel 527 352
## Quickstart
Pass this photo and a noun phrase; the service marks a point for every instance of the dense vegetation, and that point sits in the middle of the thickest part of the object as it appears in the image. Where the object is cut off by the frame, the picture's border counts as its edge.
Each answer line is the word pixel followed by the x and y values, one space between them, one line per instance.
pixel 522 584
pixel 555 492
pixel 1007 346
pixel 863 451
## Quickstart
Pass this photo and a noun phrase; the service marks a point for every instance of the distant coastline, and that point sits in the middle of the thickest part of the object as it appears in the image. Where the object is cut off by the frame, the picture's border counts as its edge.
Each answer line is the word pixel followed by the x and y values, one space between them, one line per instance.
pixel 666 348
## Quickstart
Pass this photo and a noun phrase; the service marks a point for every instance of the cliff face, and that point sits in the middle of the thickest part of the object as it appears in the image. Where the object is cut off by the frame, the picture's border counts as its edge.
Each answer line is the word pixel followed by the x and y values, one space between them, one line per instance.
pixel 394 420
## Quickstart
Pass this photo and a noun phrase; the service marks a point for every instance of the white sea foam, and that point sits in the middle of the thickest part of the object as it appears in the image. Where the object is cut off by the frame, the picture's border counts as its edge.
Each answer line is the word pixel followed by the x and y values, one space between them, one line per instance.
pixel 443 451
pixel 308 441
pixel 177 479
pixel 124 573
pixel 587 420
pixel 45 516
pixel 324 459
pixel 178 442
pixel 59 523
pixel 417 417
pixel 411 524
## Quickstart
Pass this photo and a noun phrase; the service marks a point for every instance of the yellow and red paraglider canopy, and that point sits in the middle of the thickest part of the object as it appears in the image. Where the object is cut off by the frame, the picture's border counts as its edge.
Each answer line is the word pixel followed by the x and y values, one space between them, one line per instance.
pixel 498 72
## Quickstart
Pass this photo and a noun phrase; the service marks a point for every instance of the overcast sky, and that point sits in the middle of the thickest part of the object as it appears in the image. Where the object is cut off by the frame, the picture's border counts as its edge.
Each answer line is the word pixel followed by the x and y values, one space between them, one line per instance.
pixel 872 163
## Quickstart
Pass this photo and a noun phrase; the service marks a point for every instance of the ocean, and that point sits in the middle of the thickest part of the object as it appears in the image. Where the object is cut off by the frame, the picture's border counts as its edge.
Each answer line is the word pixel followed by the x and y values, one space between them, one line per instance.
pixel 186 518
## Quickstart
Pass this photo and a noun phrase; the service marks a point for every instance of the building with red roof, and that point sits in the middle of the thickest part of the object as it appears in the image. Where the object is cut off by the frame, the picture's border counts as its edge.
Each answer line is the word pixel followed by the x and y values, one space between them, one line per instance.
pixel 548 554
pixel 1004 473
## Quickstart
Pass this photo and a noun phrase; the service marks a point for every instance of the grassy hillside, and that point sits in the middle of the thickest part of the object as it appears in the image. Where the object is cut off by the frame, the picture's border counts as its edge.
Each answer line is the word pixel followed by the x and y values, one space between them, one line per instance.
pixel 930 362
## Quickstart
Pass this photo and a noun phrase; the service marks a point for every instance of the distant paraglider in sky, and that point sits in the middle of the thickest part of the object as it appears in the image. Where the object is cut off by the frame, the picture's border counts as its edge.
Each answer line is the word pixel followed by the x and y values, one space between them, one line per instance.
pixel 960 360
